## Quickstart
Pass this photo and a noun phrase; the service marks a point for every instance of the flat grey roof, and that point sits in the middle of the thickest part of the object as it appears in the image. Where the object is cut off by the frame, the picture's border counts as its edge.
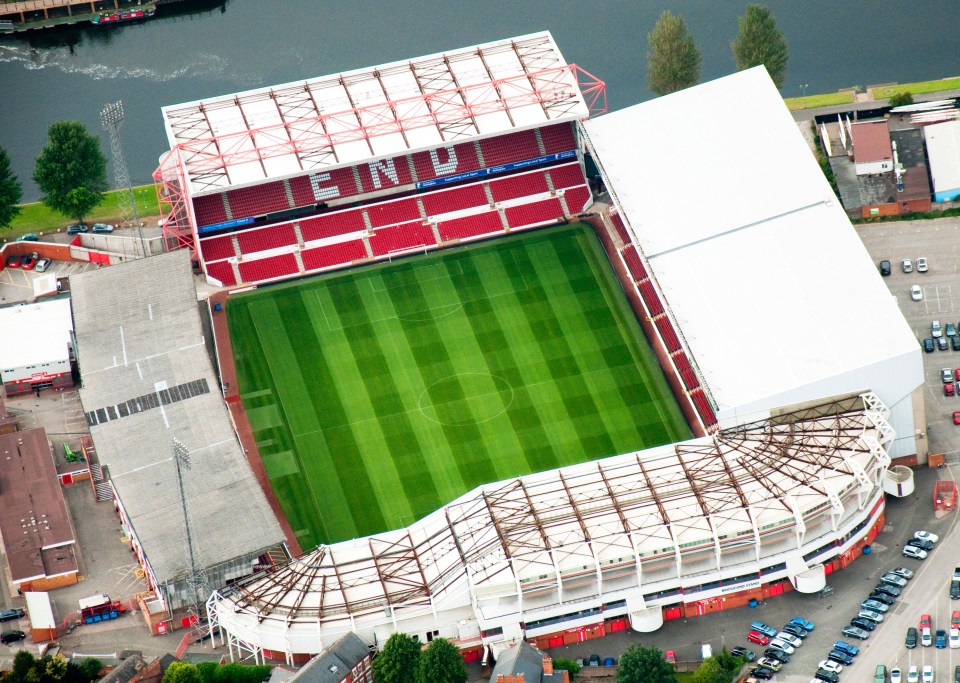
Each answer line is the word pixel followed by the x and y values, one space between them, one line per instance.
pixel 147 379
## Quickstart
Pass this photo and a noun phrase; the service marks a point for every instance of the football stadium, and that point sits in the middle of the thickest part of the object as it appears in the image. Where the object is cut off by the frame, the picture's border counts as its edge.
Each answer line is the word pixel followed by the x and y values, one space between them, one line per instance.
pixel 513 367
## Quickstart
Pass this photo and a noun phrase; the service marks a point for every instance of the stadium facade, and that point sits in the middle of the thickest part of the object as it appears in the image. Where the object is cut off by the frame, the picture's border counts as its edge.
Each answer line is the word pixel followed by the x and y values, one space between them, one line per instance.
pixel 782 485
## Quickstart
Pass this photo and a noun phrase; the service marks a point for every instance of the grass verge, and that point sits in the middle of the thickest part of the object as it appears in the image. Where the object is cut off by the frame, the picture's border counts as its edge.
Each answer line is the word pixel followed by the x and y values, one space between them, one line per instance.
pixel 814 101
pixel 919 88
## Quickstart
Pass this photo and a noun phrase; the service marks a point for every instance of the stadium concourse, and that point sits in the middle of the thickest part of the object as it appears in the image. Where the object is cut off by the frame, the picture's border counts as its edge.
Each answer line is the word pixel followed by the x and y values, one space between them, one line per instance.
pixel 734 253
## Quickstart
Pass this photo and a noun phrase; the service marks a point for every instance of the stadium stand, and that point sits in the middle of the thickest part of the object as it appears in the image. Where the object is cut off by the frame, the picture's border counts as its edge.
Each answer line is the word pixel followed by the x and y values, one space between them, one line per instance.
pixel 333 255
pixel 703 408
pixel 577 198
pixel 687 374
pixel 559 138
pixel 401 237
pixel 667 333
pixel 216 248
pixel 273 237
pixel 330 185
pixel 522 185
pixel 471 226
pixel 621 228
pixel 533 213
pixel 223 272
pixel 385 173
pixel 268 268
pixel 330 225
pixel 257 200
pixel 504 149
pixel 568 175
pixel 439 162
pixel 446 201
pixel 649 294
pixel 634 264
pixel 392 213
pixel 209 209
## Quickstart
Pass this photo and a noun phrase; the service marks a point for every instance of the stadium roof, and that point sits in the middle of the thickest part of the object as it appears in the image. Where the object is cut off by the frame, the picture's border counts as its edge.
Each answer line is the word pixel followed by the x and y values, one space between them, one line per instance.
pixel 767 281
pixel 147 380
pixel 42 334
pixel 379 111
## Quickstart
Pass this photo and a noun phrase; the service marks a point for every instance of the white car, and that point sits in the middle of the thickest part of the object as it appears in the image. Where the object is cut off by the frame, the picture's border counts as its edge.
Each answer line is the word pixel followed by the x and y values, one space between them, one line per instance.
pixel 926 636
pixel 782 645
pixel 927 674
pixel 907 265
pixel 954 638
pixel 902 571
pixel 913 675
pixel 935 329
pixel 915 553
pixel 830 665
pixel 895 675
pixel 789 638
pixel 916 293
pixel 926 536
pixel 921 265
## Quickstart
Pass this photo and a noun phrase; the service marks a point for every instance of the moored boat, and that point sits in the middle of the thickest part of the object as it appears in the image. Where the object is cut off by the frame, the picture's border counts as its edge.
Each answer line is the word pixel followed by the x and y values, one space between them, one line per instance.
pixel 124 15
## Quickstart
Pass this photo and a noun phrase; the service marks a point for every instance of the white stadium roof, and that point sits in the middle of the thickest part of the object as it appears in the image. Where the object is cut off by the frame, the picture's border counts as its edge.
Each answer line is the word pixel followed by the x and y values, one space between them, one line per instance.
pixel 379 111
pixel 772 290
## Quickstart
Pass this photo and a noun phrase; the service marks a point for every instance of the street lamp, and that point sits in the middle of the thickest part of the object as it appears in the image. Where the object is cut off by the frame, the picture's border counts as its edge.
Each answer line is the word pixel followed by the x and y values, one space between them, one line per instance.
pixel 803 88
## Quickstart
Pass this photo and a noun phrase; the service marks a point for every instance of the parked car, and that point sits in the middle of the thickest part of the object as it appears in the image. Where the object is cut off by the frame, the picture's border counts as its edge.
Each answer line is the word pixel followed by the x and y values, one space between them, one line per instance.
pixel 102 228
pixel 920 543
pixel 778 654
pixel 896 676
pixel 916 293
pixel 926 676
pixel 795 630
pixel 907 265
pixel 28 237
pixel 928 345
pixel 840 657
pixel 926 535
pixel 935 329
pixel 946 375
pixel 887 589
pixel 865 624
pixel 77 228
pixel 870 615
pixel 955 343
pixel 913 675
pixel 741 651
pixel 670 656
pixel 955 618
pixel 594 660
pixel 10 614
pixel 948 390
pixel 8 637
pixel 803 623
pixel 874 606
pixel 609 661
pixel 883 597
pixel 13 261
pixel 926 636
pixel 855 632
pixel 770 663
pixel 914 553
pixel 880 674
pixel 950 330
pixel 789 638
pixel 925 621
pixel 758 638
pixel 956 674
pixel 940 639
pixel 902 571
pixel 763 673
pixel 43 264
pixel 894 580
pixel 921 265
pixel 827 676
pixel 884 268
pixel 763 628
pixel 830 665
pixel 28 261
pixel 782 645
pixel 954 640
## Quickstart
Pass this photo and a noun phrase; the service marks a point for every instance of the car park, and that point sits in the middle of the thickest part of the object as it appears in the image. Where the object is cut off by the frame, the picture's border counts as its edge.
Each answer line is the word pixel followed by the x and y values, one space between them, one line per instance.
pixel 913 675
pixel 777 653
pixel 854 632
pixel 870 615
pixel 102 228
pixel 926 535
pixel 920 543
pixel 11 614
pixel 926 636
pixel 795 630
pixel 783 645
pixel 888 590
pixel 926 675
pixel 763 628
pixel 770 663
pixel 789 638
pixel 741 651
pixel 840 657
pixel 943 344
pixel 8 637
pixel 43 264
pixel 940 639
pixel 907 265
pixel 929 345
pixel 28 237
pixel 865 624
pixel 874 606
pixel 763 673
pixel 885 268
pixel 77 228
pixel 758 638
pixel 916 293
pixel 896 676
pixel 827 676
pixel 807 626
pixel 914 553
pixel 921 265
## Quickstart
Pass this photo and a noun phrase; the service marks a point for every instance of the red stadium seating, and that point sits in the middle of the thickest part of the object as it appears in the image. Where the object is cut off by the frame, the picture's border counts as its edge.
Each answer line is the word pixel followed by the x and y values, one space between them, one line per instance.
pixel 216 248
pixel 252 241
pixel 536 212
pixel 577 199
pixel 504 149
pixel 687 374
pixel 559 138
pixel 333 255
pixel 257 200
pixel 329 225
pixel 466 160
pixel 470 226
pixel 634 264
pixel 668 334
pixel 379 175
pixel 707 415
pixel 209 209
pixel 522 185
pixel 399 237
pixel 222 271
pixel 340 183
pixel 457 199
pixel 391 213
pixel 649 294
pixel 621 228
pixel 567 176
pixel 268 268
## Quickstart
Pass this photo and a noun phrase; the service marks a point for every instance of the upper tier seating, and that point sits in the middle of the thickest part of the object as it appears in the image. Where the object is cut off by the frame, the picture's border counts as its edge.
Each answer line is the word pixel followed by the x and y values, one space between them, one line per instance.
pixel 216 248
pixel 332 224
pixel 442 164
pixel 515 186
pixel 340 183
pixel 386 173
pixel 558 138
pixel 257 200
pixel 568 175
pixel 504 149
pixel 209 209
pixel 457 199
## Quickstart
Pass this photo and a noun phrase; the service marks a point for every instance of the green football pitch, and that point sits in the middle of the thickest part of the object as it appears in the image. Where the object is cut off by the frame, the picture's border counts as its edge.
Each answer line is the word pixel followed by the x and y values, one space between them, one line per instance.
pixel 378 395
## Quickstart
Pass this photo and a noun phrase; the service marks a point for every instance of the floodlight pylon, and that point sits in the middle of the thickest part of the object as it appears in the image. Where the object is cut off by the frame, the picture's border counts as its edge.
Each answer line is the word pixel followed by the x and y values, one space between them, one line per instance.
pixel 111 116
pixel 197 582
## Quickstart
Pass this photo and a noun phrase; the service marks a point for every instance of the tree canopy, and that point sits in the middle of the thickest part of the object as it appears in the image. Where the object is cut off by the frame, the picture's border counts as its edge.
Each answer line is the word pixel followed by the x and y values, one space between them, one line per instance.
pixel 181 672
pixel 71 171
pixel 759 41
pixel 211 672
pixel 10 191
pixel 570 666
pixel 644 665
pixel 397 661
pixel 673 60
pixel 441 662
pixel 29 669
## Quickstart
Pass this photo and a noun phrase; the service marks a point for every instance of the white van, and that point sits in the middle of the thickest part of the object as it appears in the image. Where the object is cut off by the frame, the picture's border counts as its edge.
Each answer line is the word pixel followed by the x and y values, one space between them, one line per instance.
pixel 706 651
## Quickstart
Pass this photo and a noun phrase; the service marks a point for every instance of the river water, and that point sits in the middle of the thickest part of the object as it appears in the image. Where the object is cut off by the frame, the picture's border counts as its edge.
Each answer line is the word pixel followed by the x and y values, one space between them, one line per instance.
pixel 222 46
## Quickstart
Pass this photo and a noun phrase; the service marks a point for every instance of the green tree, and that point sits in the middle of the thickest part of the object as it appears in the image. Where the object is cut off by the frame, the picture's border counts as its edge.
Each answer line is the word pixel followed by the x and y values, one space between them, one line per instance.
pixel 644 665
pixel 759 41
pixel 71 171
pixel 901 99
pixel 90 668
pixel 23 663
pixel 10 191
pixel 441 662
pixel 56 669
pixel 566 665
pixel 673 60
pixel 181 672
pixel 397 661
pixel 710 671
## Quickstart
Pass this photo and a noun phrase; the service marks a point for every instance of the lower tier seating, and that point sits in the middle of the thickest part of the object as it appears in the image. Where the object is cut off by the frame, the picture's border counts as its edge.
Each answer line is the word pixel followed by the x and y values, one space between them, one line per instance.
pixel 400 237
pixel 261 239
pixel 216 248
pixel 222 271
pixel 333 255
pixel 534 213
pixel 470 226
pixel 268 268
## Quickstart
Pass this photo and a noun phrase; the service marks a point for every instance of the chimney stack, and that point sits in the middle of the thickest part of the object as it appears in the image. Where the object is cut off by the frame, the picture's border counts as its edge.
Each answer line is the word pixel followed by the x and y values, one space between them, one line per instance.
pixel 547 665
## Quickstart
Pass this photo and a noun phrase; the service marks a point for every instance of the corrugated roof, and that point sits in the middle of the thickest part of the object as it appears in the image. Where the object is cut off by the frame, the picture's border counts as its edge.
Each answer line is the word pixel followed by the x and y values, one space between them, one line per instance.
pixel 943 150
pixel 335 663
pixel 871 141
pixel 139 338
pixel 35 333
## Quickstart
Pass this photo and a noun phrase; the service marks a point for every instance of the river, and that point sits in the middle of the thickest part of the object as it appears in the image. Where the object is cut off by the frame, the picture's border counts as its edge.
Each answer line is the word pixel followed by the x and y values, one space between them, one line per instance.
pixel 222 46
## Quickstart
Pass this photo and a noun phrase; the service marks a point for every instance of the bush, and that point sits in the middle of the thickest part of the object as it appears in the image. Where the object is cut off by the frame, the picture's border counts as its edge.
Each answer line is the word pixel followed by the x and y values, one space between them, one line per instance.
pixel 901 99
pixel 566 665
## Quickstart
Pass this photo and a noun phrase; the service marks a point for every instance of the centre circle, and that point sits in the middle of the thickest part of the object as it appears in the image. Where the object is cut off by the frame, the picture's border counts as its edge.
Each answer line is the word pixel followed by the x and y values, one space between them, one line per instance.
pixel 466 398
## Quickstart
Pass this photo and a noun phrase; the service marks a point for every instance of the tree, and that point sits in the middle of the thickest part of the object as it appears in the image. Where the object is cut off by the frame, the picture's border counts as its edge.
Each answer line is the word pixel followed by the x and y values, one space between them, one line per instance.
pixel 561 664
pixel 90 668
pixel 901 99
pixel 673 61
pixel 759 41
pixel 710 671
pixel 181 672
pixel 441 662
pixel 71 170
pixel 10 191
pixel 397 661
pixel 644 665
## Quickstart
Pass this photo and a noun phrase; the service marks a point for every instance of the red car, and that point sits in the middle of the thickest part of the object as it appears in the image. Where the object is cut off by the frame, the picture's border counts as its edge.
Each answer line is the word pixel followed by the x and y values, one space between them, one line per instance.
pixel 28 261
pixel 13 261
pixel 924 621
pixel 955 619
pixel 757 637
pixel 670 656
pixel 957 374
pixel 949 390
pixel 956 417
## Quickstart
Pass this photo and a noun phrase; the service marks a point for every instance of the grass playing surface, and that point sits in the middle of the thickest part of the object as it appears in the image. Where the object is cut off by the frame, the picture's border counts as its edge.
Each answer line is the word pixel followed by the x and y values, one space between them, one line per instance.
pixel 378 395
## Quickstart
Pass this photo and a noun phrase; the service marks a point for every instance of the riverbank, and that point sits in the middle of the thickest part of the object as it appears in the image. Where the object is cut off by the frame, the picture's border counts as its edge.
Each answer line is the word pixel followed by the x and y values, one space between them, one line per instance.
pixel 878 94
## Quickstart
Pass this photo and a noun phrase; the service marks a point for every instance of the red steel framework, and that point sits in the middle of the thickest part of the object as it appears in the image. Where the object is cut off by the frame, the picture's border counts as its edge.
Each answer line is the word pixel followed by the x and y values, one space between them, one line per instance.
pixel 308 139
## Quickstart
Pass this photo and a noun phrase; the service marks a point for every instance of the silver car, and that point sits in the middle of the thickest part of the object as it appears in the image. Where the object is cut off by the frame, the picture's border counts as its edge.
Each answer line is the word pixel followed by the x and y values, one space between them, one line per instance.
pixel 894 580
